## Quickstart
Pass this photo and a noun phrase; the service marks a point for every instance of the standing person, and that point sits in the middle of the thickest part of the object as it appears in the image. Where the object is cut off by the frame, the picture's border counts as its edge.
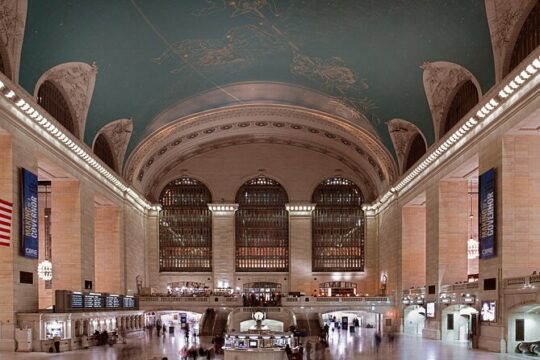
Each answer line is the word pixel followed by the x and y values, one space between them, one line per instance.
pixel 326 328
pixel 308 350
pixel 164 329
pixel 378 340
pixel 56 340
pixel 183 352
pixel 288 351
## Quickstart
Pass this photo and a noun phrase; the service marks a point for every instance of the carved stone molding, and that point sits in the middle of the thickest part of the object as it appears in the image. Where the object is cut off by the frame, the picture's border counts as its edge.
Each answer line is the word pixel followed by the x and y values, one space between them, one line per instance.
pixel 163 175
pixel 197 129
pixel 118 133
pixel 505 19
pixel 76 80
pixel 441 81
pixel 12 22
pixel 402 133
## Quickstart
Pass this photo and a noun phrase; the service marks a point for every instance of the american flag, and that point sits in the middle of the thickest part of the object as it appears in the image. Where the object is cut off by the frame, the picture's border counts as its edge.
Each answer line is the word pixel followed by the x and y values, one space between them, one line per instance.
pixel 6 214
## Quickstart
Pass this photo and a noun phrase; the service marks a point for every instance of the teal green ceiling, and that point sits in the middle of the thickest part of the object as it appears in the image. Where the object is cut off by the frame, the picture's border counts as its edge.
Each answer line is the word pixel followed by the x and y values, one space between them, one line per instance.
pixel 151 54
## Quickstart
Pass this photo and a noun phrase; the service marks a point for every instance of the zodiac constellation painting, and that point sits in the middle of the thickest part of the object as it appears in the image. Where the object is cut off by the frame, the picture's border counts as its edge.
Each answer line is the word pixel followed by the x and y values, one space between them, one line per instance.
pixel 239 48
pixel 239 7
pixel 260 42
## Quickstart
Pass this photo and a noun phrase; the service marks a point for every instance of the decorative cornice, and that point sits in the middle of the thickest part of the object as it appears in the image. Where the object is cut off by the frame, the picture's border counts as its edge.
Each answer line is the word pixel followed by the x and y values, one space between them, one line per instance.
pixel 201 126
pixel 118 133
pixel 517 84
pixel 12 24
pixel 37 120
pixel 441 81
pixel 223 209
pixel 76 80
pixel 161 177
pixel 300 209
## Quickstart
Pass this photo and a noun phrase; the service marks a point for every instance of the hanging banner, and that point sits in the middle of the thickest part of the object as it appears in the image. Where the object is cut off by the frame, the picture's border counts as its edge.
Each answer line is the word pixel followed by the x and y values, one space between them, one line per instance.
pixel 29 214
pixel 486 218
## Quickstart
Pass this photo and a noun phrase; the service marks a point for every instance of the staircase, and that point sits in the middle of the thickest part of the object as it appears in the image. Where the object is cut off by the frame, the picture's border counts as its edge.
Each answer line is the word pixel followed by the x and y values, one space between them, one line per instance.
pixel 308 323
pixel 208 324
pixel 220 323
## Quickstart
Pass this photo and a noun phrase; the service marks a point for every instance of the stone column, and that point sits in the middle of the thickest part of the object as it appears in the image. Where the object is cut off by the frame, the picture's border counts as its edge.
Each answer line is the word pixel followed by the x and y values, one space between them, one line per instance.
pixel 66 234
pixel 453 231
pixel 223 244
pixel 109 264
pixel 300 246
pixel 413 245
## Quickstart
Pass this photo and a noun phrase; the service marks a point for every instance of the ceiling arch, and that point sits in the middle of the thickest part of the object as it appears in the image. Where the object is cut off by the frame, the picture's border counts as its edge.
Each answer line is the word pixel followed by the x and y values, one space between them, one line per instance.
pixel 353 145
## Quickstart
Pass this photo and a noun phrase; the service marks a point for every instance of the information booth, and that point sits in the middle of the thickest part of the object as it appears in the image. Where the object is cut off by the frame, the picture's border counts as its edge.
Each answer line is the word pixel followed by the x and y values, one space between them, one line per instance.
pixel 258 345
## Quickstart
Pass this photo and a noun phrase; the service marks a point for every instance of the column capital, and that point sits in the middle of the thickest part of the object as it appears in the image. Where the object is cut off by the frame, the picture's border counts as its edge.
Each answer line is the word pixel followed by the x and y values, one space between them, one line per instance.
pixel 223 209
pixel 300 209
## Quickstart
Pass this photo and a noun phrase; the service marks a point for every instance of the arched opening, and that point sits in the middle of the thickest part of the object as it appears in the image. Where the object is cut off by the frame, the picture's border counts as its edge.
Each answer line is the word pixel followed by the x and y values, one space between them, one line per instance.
pixel 464 100
pixel 51 99
pixel 414 319
pixel 459 323
pixel 185 227
pixel 262 227
pixel 416 151
pixel 103 150
pixel 528 38
pixel 524 329
pixel 338 231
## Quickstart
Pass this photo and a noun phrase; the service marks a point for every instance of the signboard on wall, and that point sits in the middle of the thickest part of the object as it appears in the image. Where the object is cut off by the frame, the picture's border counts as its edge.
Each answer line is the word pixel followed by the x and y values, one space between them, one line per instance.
pixel 486 216
pixel 29 214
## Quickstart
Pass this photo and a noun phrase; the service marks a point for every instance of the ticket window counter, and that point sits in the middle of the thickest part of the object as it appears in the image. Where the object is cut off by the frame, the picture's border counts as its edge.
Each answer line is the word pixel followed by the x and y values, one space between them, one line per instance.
pixel 52 330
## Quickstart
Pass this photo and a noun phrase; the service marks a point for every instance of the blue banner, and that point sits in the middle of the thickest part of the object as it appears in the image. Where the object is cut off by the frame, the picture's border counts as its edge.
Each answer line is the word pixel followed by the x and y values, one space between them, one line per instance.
pixel 29 216
pixel 486 219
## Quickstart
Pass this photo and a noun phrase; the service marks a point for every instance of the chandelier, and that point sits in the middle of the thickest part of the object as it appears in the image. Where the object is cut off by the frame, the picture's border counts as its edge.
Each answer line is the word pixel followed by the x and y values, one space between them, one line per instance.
pixel 45 270
pixel 472 243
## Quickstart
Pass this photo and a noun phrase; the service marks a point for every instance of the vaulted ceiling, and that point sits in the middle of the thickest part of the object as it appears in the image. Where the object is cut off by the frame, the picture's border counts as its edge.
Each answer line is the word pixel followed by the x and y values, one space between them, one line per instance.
pixel 154 54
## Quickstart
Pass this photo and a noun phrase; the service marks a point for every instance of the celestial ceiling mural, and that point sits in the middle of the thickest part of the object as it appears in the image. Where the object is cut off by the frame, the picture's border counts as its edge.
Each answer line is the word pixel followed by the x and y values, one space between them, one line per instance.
pixel 153 54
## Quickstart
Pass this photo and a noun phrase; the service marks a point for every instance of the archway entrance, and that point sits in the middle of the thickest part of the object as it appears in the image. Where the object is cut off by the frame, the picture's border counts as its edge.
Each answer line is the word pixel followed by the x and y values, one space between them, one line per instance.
pixel 262 293
pixel 524 329
pixel 414 318
pixel 459 322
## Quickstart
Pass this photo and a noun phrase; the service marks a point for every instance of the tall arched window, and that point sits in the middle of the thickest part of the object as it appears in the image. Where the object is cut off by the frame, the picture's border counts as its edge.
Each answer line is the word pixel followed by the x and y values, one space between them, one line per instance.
pixel 51 99
pixel 338 231
pixel 528 38
pixel 417 149
pixel 103 150
pixel 262 227
pixel 185 227
pixel 464 100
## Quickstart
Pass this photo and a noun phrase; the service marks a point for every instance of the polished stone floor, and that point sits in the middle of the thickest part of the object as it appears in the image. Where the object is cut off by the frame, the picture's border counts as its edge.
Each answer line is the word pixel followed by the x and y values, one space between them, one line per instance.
pixel 342 346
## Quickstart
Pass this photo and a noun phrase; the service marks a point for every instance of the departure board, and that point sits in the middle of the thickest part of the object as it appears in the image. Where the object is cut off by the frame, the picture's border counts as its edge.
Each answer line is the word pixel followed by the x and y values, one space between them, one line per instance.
pixel 68 301
pixel 112 302
pixel 77 300
pixel 129 302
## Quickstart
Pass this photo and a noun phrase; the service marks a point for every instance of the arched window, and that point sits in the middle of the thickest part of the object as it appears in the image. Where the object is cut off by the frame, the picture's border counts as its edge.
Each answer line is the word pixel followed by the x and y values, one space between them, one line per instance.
pixel 52 100
pixel 417 149
pixel 338 230
pixel 185 227
pixel 464 100
pixel 262 227
pixel 103 150
pixel 528 38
